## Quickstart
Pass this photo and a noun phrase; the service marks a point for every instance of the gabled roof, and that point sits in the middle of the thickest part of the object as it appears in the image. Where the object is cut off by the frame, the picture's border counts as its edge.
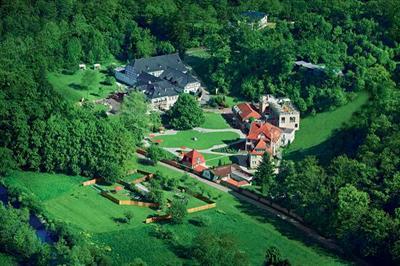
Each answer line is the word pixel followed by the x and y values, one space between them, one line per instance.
pixel 261 145
pixel 177 77
pixel 193 157
pixel 257 130
pixel 159 89
pixel 222 171
pixel 157 63
pixel 245 111
pixel 146 78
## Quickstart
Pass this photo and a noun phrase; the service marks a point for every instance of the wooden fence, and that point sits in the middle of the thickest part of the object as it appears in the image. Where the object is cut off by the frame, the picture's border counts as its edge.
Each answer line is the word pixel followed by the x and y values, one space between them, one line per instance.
pixel 157 219
pixel 91 182
pixel 202 208
pixel 129 202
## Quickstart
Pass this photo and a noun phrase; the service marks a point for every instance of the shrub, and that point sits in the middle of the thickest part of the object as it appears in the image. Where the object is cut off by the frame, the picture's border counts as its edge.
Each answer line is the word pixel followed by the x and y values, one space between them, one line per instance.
pixel 201 221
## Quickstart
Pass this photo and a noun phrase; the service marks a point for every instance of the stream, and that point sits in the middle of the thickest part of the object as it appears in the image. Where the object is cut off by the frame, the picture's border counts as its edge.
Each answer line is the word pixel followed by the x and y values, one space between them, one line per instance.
pixel 35 222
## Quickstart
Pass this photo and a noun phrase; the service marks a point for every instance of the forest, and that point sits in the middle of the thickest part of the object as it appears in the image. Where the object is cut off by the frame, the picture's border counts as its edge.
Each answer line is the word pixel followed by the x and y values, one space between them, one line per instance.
pixel 354 198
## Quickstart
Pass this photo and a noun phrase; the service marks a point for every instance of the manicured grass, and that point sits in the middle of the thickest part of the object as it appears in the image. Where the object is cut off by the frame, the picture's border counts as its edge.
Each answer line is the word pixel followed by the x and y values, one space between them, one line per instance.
pixel 253 229
pixel 7 260
pixel 132 177
pixel 316 130
pixel 204 140
pixel 215 159
pixel 69 86
pixel 214 121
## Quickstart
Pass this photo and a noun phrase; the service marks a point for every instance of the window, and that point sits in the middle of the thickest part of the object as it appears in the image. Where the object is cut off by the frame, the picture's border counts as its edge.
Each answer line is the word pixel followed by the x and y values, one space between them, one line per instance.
pixel 292 119
pixel 283 119
pixel 296 125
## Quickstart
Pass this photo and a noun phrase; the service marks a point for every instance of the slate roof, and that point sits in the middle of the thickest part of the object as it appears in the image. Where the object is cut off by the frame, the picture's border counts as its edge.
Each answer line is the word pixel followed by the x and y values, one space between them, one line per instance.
pixel 146 78
pixel 157 63
pixel 178 77
pixel 159 89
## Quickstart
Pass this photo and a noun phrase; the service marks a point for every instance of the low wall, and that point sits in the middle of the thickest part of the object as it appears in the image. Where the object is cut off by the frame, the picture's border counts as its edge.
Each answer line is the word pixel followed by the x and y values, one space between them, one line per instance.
pixel 129 202
pixel 260 198
pixel 142 179
pixel 202 208
pixel 157 219
pixel 91 182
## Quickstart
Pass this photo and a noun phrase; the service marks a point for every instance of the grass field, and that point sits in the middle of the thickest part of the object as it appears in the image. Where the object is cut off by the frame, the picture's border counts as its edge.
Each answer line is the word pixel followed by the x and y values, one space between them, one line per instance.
pixel 204 140
pixel 215 159
pixel 69 86
pixel 315 131
pixel 6 260
pixel 214 121
pixel 253 229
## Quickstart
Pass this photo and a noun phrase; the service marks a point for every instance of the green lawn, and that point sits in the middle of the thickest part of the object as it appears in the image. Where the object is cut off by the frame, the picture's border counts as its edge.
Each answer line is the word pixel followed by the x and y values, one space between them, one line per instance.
pixel 7 260
pixel 214 121
pixel 215 159
pixel 315 131
pixel 253 229
pixel 204 140
pixel 69 86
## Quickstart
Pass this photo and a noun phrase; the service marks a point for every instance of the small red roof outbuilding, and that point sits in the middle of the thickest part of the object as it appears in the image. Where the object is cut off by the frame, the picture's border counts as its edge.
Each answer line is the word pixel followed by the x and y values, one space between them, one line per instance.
pixel 193 158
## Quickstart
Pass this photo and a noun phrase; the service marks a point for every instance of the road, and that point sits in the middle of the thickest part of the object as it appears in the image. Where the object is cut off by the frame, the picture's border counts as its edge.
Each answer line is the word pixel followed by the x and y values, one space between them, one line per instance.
pixel 326 243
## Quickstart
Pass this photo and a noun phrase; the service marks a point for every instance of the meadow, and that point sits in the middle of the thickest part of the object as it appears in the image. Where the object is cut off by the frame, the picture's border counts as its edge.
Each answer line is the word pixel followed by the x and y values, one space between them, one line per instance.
pixel 316 131
pixel 71 88
pixel 214 121
pixel 253 229
pixel 196 140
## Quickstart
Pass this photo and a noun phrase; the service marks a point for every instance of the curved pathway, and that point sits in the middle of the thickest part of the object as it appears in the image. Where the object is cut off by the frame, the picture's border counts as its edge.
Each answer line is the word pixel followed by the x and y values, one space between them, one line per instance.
pixel 323 241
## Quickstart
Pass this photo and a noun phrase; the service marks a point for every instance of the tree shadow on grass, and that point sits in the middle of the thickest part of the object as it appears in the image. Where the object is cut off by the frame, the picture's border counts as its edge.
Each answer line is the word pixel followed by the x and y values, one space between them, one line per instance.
pixel 143 161
pixel 344 141
pixel 285 228
pixel 76 86
pixel 200 66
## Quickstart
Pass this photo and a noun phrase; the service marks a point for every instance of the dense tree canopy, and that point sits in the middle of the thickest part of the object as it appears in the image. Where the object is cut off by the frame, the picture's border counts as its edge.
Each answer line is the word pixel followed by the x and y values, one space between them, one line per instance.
pixel 356 41
pixel 186 113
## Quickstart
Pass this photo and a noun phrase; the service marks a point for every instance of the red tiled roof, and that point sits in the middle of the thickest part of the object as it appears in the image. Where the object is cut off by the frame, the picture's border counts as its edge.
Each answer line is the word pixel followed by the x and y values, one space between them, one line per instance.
pixel 222 171
pixel 236 183
pixel 199 168
pixel 270 131
pixel 246 111
pixel 193 158
pixel 261 145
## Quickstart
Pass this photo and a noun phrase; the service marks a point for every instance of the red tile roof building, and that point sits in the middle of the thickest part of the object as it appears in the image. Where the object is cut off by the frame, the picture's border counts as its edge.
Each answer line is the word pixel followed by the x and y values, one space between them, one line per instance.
pixel 262 137
pixel 194 160
pixel 245 114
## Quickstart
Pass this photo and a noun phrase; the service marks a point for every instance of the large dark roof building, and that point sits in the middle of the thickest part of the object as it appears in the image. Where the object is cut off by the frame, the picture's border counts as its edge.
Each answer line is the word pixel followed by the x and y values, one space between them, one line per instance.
pixel 159 63
pixel 161 78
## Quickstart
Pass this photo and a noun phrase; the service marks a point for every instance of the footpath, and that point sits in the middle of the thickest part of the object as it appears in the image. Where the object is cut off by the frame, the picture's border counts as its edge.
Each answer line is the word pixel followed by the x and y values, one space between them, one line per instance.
pixel 323 241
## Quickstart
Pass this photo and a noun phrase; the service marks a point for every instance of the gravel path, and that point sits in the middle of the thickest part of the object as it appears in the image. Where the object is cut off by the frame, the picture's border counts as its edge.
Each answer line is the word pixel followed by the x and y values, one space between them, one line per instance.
pixel 325 242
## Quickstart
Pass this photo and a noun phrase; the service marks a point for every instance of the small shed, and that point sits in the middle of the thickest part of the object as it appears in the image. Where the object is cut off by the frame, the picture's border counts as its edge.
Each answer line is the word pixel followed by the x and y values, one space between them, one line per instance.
pixel 82 66
pixel 96 66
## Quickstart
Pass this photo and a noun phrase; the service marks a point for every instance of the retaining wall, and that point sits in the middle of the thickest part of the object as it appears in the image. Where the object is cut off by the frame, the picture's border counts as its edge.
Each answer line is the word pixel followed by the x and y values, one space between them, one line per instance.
pixel 91 182
pixel 129 202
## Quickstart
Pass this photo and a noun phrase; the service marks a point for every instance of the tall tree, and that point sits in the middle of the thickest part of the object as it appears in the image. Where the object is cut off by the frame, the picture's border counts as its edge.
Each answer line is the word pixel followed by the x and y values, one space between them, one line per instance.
pixel 265 175
pixel 186 113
